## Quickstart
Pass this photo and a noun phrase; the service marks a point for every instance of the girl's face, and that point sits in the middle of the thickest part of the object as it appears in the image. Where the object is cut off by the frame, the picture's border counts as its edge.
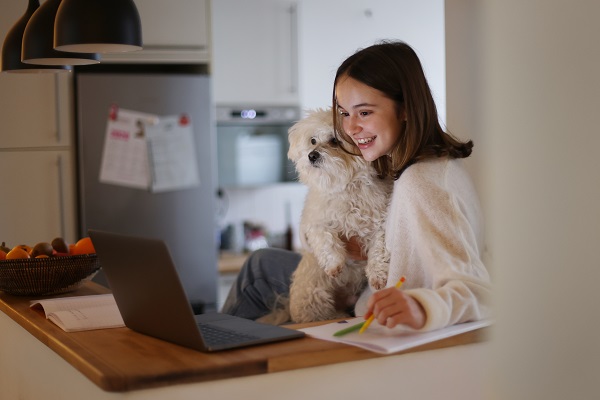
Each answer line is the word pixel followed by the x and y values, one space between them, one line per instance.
pixel 368 117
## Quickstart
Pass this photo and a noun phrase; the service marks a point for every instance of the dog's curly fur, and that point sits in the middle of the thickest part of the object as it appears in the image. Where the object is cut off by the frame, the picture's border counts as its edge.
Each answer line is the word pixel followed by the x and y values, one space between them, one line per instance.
pixel 345 198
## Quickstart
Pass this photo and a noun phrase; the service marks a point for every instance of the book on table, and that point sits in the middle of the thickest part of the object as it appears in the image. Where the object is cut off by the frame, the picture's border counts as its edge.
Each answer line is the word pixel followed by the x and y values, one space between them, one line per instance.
pixel 80 313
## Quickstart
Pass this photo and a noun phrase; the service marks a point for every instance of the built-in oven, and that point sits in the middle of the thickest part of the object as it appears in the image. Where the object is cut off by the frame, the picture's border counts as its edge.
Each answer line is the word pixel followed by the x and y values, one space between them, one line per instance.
pixel 252 145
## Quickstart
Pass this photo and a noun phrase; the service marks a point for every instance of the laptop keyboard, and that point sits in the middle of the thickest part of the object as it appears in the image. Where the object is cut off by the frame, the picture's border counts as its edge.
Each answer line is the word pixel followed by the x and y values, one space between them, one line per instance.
pixel 214 335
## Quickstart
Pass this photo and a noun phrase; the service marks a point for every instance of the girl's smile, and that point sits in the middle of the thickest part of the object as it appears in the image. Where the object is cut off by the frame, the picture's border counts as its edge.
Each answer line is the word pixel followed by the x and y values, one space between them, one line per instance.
pixel 368 117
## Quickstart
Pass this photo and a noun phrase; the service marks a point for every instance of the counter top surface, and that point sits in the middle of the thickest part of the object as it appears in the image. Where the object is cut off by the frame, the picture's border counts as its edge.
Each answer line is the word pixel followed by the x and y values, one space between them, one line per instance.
pixel 120 359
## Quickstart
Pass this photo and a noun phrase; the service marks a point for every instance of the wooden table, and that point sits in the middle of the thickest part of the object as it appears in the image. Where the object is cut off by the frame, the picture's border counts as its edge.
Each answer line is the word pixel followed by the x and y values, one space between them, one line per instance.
pixel 120 360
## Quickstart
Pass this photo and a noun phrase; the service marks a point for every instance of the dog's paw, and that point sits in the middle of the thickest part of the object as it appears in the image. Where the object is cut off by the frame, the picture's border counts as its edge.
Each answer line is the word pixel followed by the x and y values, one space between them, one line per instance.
pixel 335 271
pixel 377 278
pixel 377 283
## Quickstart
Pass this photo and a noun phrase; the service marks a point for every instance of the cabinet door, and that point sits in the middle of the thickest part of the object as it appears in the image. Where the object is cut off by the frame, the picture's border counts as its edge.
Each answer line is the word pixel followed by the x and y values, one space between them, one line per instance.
pixel 172 31
pixel 38 200
pixel 30 112
pixel 334 29
pixel 255 51
pixel 174 23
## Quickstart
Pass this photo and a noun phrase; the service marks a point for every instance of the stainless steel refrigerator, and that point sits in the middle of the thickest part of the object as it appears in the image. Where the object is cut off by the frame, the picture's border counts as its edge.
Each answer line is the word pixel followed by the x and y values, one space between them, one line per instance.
pixel 186 218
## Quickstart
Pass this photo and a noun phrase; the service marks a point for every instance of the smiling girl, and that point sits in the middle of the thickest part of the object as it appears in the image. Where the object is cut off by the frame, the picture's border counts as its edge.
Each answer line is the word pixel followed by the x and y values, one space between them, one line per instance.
pixel 384 109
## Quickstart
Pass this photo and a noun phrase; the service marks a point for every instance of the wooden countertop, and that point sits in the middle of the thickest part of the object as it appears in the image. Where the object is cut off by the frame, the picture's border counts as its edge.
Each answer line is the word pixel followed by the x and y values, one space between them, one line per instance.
pixel 119 359
pixel 231 263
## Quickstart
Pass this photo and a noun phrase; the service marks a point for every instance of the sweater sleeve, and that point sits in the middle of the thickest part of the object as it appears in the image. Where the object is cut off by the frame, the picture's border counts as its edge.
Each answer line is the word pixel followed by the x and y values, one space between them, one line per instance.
pixel 433 233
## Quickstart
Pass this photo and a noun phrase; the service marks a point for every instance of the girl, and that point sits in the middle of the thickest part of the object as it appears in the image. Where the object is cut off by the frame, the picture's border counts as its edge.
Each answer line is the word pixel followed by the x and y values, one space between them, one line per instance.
pixel 383 107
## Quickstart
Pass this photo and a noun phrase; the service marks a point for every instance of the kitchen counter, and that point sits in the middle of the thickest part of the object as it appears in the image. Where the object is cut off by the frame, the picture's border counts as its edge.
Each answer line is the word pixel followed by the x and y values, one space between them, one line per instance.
pixel 94 363
pixel 231 263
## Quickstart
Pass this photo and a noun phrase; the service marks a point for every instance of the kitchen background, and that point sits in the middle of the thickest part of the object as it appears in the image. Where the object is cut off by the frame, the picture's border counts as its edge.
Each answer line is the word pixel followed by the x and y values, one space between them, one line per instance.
pixel 262 56
pixel 506 61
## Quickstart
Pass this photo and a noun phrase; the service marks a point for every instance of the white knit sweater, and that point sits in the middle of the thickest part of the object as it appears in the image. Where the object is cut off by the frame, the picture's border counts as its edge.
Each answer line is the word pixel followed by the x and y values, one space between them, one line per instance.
pixel 434 233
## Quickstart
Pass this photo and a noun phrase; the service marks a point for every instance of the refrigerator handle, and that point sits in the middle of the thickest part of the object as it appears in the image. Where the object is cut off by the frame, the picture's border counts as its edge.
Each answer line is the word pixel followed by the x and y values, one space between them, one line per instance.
pixel 61 203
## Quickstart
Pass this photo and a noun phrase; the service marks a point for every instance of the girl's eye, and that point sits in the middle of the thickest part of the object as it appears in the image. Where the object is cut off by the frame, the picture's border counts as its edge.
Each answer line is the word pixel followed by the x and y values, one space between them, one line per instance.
pixel 313 141
pixel 343 113
pixel 364 113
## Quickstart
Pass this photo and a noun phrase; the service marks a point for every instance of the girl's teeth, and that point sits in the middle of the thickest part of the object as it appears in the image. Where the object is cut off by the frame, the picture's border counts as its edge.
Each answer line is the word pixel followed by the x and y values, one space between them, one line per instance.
pixel 364 140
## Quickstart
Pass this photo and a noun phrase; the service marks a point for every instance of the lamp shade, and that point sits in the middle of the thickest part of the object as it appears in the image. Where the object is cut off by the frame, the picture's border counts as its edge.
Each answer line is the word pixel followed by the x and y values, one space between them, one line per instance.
pixel 11 49
pixel 98 26
pixel 38 44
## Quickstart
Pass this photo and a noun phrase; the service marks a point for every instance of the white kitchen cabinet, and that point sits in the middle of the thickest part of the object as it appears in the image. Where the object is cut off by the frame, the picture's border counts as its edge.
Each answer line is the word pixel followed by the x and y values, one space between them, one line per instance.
pixel 255 52
pixel 37 184
pixel 37 196
pixel 332 30
pixel 174 31
pixel 29 106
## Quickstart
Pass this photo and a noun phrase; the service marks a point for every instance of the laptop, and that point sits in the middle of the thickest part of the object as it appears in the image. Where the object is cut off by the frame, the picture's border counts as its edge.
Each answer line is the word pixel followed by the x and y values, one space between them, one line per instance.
pixel 152 301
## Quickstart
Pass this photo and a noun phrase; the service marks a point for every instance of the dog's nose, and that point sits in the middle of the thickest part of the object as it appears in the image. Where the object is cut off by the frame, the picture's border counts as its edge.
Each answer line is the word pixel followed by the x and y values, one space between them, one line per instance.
pixel 314 156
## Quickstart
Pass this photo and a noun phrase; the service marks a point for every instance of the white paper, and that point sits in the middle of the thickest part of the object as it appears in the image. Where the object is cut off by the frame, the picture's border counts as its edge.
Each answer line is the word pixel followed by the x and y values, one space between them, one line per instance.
pixel 83 319
pixel 383 340
pixel 125 152
pixel 80 313
pixel 172 154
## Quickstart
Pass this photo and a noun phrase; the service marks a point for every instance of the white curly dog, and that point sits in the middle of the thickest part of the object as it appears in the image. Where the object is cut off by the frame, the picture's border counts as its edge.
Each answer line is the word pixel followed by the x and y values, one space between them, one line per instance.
pixel 345 198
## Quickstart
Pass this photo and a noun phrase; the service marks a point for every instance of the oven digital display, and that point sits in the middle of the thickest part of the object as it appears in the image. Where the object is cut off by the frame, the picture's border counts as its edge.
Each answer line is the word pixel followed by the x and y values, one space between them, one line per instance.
pixel 247 114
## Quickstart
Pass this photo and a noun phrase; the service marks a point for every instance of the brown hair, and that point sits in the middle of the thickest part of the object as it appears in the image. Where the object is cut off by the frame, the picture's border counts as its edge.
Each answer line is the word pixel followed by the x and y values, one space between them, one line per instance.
pixel 393 68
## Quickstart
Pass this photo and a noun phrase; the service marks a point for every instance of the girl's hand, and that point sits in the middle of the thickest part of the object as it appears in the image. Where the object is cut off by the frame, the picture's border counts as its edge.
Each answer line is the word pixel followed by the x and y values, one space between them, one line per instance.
pixel 392 306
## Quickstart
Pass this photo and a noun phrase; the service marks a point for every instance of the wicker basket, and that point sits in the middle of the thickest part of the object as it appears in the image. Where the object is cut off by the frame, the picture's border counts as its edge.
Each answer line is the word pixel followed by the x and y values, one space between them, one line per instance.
pixel 46 276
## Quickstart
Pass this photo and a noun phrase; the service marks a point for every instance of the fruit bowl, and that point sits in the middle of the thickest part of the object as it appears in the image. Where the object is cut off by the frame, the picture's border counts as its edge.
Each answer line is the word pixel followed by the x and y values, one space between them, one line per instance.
pixel 47 276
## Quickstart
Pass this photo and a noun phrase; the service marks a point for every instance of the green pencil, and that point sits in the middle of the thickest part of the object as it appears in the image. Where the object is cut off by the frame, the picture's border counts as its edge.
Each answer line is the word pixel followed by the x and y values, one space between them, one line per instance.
pixel 349 329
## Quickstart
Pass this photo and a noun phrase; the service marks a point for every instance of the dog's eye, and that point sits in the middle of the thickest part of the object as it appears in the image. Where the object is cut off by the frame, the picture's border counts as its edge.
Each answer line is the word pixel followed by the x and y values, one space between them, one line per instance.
pixel 313 141
pixel 333 141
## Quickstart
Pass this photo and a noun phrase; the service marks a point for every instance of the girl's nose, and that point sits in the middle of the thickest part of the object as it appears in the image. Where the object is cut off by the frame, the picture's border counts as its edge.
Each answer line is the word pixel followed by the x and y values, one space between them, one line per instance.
pixel 351 127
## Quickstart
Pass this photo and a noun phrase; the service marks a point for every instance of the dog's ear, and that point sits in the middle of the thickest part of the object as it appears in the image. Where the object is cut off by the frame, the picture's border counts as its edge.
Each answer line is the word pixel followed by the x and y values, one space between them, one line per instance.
pixel 291 141
pixel 304 129
pixel 294 137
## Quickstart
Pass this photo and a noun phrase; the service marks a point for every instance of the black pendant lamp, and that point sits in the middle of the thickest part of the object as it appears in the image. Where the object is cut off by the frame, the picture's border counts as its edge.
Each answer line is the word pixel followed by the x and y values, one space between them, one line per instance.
pixel 11 49
pixel 98 26
pixel 38 42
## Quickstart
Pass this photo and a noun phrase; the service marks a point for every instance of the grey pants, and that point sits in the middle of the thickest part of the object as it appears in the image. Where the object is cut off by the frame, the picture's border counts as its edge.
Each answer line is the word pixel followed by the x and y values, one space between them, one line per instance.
pixel 266 274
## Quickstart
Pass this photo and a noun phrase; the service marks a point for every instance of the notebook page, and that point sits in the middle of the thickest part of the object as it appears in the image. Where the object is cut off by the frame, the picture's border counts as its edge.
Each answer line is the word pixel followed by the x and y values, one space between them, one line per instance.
pixel 81 312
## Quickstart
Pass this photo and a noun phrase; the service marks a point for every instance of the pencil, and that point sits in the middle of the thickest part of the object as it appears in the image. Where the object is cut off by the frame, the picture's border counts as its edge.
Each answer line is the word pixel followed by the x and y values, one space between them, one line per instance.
pixel 352 328
pixel 368 321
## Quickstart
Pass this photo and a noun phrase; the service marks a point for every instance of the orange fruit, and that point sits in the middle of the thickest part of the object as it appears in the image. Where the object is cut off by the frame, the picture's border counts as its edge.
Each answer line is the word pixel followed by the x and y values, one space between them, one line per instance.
pixel 16 253
pixel 83 246
pixel 2 255
pixel 25 247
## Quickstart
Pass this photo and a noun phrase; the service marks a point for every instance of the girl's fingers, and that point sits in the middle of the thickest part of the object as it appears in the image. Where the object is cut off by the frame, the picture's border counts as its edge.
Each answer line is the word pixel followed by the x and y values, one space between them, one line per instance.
pixel 395 307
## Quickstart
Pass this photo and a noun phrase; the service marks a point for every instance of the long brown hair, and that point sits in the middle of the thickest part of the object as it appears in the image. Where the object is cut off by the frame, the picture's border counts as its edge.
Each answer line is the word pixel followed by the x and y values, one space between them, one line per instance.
pixel 393 68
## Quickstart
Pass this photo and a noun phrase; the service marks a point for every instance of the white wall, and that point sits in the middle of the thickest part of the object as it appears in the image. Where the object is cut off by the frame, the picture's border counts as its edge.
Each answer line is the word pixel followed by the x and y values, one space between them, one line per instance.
pixel 332 30
pixel 532 102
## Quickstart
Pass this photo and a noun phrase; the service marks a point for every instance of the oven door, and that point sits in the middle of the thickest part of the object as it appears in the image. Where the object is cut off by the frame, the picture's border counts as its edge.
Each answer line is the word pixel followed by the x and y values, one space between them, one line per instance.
pixel 252 145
